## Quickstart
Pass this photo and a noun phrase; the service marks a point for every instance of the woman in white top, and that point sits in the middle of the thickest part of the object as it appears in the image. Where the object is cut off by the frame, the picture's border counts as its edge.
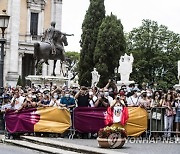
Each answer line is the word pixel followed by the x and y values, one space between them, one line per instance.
pixel 55 101
pixel 144 102
pixel 134 99
pixel 92 99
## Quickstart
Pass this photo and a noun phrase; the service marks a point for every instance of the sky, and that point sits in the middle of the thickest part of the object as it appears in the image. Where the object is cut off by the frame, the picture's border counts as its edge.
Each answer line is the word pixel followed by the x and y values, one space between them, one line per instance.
pixel 130 12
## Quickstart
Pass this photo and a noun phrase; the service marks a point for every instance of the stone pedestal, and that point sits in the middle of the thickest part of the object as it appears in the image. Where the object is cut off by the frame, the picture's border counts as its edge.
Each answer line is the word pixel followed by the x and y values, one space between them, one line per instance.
pixel 12 78
pixel 43 80
pixel 126 83
pixel 177 87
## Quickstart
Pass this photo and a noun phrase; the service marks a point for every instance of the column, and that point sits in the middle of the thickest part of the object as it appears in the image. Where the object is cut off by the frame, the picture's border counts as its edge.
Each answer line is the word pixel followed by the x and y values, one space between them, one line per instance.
pixel 42 23
pixel 58 13
pixel 9 26
pixel 52 10
pixel 7 50
pixel 12 75
pixel 57 17
pixel 28 35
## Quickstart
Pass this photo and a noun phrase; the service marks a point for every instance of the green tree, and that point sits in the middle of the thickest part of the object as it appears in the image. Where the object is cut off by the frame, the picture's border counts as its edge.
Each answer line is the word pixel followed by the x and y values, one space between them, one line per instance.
pixel 90 28
pixel 110 46
pixel 72 60
pixel 156 51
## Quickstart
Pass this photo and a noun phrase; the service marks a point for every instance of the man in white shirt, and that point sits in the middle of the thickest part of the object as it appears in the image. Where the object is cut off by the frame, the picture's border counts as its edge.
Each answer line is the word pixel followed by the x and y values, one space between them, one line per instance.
pixel 17 100
pixel 134 99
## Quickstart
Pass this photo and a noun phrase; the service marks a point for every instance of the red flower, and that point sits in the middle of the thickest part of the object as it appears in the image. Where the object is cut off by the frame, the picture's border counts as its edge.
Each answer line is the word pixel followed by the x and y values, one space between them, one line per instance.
pixel 107 131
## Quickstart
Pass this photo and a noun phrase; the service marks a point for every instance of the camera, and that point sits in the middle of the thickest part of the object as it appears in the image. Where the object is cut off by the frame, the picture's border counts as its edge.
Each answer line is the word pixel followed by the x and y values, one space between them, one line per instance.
pixel 34 92
pixel 118 97
pixel 102 95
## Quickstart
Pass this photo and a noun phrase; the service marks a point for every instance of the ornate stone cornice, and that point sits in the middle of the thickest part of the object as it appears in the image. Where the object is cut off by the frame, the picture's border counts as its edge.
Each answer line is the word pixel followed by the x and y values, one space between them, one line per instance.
pixel 38 3
pixel 43 4
pixel 57 1
pixel 28 3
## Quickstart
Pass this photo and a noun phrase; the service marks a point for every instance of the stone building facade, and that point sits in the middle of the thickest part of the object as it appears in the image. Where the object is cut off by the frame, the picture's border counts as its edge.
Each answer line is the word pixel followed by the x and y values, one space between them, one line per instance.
pixel 28 21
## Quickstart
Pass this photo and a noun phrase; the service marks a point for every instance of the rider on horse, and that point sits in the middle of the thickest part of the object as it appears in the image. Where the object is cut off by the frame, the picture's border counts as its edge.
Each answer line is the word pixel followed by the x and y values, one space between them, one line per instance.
pixel 48 37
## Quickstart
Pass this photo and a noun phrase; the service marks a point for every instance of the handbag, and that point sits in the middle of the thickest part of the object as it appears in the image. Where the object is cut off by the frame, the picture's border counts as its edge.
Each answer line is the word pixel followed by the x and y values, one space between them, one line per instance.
pixel 174 111
pixel 156 115
pixel 171 112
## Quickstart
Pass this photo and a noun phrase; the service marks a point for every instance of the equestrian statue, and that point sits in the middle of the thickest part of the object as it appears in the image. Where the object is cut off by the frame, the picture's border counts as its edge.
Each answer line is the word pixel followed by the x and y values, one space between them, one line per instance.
pixel 51 47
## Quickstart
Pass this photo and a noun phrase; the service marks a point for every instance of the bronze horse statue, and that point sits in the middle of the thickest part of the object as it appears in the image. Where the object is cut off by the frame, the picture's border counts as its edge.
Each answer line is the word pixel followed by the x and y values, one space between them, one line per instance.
pixel 43 50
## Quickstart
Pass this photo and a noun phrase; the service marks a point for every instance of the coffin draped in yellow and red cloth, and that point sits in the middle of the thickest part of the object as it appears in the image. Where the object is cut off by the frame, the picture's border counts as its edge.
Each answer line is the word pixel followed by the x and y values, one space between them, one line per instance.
pixel 92 119
pixel 49 119
pixel 86 119
pixel 137 122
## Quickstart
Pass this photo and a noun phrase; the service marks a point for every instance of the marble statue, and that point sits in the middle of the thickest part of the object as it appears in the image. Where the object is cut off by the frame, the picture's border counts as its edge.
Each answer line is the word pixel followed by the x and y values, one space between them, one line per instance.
pixel 95 78
pixel 125 67
pixel 51 47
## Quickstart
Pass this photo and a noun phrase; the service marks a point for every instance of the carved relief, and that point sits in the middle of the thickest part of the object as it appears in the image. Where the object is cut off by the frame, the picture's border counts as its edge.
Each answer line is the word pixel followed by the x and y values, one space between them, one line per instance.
pixel 57 1
pixel 37 3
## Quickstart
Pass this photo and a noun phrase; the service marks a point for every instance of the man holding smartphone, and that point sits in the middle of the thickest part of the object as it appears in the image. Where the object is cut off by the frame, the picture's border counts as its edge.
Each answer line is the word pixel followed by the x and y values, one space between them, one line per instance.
pixel 82 97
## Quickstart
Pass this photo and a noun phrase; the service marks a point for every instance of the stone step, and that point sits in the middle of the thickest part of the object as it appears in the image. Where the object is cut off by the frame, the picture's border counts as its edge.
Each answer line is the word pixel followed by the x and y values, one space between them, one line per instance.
pixel 1 138
pixel 68 146
pixel 34 146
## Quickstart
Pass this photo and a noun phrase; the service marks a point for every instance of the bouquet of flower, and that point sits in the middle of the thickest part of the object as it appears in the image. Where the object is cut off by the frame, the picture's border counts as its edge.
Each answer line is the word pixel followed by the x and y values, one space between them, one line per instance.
pixel 107 131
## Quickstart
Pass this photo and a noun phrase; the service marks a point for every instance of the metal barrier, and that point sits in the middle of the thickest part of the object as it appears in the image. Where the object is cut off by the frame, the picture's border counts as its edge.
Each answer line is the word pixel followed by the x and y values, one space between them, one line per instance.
pixel 72 130
pixel 2 125
pixel 157 121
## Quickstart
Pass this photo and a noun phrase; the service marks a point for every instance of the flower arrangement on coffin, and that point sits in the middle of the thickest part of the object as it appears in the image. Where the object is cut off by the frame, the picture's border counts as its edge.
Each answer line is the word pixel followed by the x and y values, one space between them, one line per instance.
pixel 111 137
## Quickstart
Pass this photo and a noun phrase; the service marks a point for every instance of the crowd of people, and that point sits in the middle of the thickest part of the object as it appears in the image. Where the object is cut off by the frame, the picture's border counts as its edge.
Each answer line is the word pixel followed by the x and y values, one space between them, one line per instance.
pixel 19 98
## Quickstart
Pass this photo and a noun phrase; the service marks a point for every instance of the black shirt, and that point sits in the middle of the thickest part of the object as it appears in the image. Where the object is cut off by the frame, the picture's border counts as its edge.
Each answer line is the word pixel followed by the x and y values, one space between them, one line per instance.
pixel 83 101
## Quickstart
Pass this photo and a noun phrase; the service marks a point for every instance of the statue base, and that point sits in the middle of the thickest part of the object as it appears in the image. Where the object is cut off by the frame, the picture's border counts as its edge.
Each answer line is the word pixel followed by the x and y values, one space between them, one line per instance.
pixel 177 86
pixel 43 80
pixel 126 83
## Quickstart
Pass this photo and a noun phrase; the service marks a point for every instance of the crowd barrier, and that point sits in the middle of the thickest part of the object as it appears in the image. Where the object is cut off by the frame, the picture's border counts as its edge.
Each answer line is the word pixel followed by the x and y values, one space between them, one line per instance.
pixel 157 121
pixel 49 119
pixel 85 120
pixel 90 120
pixel 1 121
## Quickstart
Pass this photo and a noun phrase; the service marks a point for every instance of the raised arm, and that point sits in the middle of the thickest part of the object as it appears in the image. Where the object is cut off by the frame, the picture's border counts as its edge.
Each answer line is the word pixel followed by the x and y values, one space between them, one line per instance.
pixel 77 94
pixel 68 34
